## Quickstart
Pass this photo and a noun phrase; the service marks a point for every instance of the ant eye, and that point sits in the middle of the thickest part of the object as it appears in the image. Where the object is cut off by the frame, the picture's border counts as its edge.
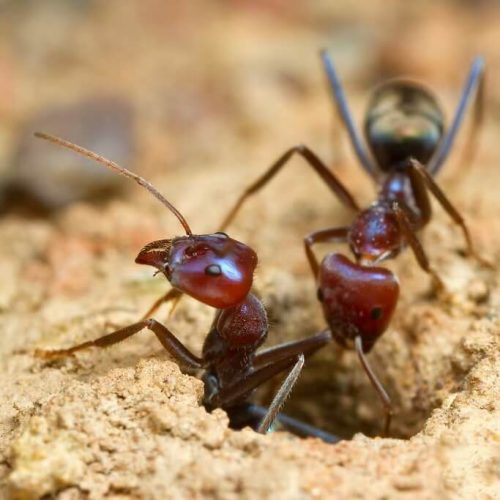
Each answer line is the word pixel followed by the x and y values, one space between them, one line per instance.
pixel 319 295
pixel 376 313
pixel 213 270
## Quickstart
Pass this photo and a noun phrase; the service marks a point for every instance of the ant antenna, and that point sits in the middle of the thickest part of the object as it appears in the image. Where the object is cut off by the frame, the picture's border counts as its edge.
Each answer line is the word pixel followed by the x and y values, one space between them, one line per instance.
pixel 121 170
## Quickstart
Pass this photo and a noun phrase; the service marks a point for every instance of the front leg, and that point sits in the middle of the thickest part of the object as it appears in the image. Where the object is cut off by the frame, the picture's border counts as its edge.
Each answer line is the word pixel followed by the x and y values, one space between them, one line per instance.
pixel 168 340
pixel 377 385
pixel 330 235
pixel 173 295
pixel 281 396
pixel 306 346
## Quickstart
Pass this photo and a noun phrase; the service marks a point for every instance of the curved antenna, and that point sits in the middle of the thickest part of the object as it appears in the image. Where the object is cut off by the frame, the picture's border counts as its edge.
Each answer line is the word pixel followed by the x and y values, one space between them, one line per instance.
pixel 121 170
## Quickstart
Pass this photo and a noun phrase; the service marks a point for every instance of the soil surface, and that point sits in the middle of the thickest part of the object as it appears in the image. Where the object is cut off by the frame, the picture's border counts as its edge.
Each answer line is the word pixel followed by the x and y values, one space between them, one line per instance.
pixel 214 92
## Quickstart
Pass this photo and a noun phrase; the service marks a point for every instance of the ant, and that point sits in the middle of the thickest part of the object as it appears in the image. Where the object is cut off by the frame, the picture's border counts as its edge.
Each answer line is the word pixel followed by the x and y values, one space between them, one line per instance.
pixel 218 271
pixel 404 130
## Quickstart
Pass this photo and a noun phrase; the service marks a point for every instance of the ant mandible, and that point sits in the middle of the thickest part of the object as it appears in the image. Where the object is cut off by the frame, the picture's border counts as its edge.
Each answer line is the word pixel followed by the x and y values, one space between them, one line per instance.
pixel 218 271
pixel 404 129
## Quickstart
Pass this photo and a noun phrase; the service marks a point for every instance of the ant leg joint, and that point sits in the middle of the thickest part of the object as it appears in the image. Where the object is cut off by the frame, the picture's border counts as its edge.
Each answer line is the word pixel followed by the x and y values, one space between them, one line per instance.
pixel 151 323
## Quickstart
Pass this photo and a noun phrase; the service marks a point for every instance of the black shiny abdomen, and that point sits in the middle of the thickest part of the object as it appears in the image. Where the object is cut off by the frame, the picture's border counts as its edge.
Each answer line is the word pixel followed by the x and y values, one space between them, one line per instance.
pixel 403 120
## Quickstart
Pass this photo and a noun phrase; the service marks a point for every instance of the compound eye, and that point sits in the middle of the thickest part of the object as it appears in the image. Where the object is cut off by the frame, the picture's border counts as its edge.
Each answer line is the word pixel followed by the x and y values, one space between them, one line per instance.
pixel 213 270
pixel 376 313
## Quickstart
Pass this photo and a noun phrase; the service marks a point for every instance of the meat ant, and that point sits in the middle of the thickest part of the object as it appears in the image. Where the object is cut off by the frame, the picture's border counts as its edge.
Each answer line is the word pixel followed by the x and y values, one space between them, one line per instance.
pixel 404 130
pixel 218 271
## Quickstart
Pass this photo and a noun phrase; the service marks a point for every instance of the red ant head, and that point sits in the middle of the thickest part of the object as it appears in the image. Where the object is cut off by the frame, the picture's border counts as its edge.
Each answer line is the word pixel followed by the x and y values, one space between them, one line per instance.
pixel 357 300
pixel 212 268
pixel 375 235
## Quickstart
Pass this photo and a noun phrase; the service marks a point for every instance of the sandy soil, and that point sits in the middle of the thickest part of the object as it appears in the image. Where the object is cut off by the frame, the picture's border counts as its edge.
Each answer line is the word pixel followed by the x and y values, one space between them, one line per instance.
pixel 217 97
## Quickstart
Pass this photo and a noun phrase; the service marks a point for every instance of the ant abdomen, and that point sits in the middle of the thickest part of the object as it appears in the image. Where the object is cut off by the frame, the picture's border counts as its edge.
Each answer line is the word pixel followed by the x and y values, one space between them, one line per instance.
pixel 358 301
pixel 403 120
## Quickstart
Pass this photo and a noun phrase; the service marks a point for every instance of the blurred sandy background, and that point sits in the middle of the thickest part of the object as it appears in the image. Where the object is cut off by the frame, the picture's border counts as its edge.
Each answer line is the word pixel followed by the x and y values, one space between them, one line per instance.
pixel 214 84
pixel 201 97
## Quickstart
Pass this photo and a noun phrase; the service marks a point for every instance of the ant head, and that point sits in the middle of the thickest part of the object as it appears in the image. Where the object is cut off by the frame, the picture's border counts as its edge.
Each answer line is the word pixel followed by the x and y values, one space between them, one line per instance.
pixel 375 235
pixel 212 268
pixel 357 300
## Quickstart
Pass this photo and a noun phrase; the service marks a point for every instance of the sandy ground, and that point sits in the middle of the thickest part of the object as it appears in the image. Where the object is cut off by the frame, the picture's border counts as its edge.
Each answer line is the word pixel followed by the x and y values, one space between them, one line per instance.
pixel 217 97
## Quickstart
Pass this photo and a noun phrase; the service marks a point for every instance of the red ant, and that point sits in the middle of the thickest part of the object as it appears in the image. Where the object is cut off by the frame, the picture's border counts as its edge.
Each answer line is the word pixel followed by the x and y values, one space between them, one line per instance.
pixel 218 271
pixel 404 129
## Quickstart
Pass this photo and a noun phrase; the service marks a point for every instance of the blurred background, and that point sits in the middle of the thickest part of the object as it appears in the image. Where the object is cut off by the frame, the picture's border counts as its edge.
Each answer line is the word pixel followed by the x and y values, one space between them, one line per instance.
pixel 163 86
pixel 201 97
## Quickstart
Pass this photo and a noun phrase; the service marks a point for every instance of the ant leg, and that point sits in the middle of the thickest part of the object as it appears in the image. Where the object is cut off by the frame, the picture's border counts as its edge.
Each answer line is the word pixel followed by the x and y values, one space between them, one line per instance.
pixel 343 110
pixel 416 246
pixel 271 362
pixel 272 355
pixel 173 295
pixel 322 236
pixel 305 346
pixel 474 81
pixel 241 388
pixel 250 415
pixel 449 208
pixel 104 341
pixel 470 147
pixel 292 425
pixel 173 345
pixel 337 152
pixel 384 397
pixel 281 396
pixel 313 161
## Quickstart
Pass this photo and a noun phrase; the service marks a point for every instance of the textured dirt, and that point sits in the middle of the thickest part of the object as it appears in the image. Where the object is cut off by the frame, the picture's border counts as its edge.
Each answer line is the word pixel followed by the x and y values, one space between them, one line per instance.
pixel 217 96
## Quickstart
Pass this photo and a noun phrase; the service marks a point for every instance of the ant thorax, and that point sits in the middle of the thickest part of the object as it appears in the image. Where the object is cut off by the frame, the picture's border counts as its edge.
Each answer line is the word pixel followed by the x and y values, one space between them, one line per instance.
pixel 401 187
pixel 237 332
pixel 375 235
